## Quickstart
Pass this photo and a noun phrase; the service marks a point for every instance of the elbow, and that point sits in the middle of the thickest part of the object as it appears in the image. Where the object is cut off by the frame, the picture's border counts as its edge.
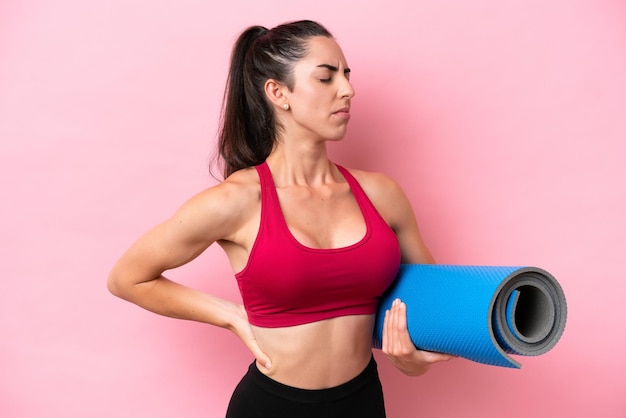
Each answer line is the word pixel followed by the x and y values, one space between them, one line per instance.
pixel 125 285
pixel 116 285
pixel 113 285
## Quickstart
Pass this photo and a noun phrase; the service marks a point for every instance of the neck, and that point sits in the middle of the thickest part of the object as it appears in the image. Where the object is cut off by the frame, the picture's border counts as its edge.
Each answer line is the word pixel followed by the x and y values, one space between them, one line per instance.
pixel 300 163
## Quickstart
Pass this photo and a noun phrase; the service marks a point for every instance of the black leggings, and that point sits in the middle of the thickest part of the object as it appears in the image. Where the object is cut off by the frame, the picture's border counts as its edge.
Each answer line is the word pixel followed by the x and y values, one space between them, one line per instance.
pixel 258 396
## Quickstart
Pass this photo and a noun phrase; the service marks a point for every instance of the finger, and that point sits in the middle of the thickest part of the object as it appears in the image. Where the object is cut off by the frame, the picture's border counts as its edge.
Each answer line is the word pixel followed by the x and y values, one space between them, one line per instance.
pixel 404 326
pixel 399 324
pixel 444 357
pixel 261 358
pixel 249 339
pixel 388 328
pixel 394 342
pixel 433 357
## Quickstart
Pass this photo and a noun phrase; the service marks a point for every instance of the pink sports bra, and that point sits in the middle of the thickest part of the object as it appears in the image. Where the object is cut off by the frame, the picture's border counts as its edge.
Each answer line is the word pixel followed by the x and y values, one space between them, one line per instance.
pixel 286 283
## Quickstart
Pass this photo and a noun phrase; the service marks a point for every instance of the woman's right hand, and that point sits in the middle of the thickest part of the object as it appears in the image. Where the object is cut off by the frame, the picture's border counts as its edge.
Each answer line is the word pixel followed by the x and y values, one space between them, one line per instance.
pixel 242 328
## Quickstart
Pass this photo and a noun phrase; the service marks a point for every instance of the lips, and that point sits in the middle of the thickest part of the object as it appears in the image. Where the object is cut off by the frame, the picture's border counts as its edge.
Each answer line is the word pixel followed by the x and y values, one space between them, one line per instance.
pixel 342 111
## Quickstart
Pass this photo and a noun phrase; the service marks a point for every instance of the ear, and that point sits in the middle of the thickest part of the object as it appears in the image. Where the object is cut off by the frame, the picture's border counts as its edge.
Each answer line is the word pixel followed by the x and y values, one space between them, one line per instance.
pixel 275 92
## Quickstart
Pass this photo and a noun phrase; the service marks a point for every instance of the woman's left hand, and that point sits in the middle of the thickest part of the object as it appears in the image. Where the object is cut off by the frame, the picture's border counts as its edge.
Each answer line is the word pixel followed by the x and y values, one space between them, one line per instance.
pixel 399 348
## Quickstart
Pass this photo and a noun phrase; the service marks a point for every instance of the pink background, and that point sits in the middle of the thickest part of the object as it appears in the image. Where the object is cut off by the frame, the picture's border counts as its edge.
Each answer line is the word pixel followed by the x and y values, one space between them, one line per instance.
pixel 504 120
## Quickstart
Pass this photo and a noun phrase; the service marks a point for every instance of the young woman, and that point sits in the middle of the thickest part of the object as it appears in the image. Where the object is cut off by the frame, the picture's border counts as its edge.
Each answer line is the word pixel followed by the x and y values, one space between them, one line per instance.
pixel 313 245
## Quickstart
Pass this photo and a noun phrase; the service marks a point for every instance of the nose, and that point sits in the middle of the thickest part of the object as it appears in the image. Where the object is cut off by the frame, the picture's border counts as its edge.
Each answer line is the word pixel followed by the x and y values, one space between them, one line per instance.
pixel 346 91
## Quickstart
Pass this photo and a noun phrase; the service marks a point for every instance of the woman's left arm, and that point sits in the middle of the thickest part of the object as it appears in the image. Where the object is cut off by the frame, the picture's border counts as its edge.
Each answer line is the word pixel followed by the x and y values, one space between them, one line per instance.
pixel 394 206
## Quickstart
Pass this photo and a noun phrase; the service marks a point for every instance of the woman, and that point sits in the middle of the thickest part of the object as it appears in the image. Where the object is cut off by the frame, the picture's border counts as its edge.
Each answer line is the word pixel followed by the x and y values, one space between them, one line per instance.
pixel 313 245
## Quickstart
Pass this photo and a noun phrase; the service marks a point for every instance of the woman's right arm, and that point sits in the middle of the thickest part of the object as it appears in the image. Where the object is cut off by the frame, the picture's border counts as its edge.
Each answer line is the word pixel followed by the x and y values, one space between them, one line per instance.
pixel 212 215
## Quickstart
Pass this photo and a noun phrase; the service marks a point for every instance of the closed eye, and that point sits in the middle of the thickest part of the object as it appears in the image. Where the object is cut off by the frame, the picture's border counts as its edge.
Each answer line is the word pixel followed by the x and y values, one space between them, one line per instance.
pixel 333 69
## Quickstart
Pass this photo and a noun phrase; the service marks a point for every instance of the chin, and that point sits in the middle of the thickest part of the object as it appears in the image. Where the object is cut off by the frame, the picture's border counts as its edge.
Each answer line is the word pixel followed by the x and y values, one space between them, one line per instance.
pixel 337 136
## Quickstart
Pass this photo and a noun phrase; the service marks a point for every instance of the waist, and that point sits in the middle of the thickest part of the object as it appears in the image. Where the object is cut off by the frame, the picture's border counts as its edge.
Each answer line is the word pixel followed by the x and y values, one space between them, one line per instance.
pixel 320 354
pixel 366 375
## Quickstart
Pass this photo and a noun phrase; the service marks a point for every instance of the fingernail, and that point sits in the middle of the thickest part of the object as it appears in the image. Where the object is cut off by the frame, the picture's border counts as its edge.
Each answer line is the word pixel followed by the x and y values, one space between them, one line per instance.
pixel 268 365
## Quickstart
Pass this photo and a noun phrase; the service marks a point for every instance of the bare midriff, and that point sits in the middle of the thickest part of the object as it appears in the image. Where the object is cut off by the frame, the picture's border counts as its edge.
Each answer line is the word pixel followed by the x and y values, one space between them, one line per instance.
pixel 318 355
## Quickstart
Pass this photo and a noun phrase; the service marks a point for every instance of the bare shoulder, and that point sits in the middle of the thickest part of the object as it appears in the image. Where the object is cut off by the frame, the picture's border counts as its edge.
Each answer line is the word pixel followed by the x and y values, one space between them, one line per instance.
pixel 219 211
pixel 240 188
pixel 386 195
pixel 379 187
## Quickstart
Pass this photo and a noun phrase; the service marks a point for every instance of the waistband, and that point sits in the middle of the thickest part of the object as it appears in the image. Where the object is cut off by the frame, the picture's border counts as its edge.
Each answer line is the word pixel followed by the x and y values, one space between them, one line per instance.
pixel 369 374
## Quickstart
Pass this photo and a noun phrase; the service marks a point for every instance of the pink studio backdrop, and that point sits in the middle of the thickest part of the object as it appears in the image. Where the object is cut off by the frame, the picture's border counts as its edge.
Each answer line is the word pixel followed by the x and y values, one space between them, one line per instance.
pixel 504 120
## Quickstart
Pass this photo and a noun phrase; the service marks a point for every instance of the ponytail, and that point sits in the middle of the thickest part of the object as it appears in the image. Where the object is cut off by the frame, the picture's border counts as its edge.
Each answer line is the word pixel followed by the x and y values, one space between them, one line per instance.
pixel 248 127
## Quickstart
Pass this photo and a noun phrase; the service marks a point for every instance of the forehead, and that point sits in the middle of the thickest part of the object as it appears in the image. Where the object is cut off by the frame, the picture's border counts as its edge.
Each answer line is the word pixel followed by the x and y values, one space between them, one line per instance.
pixel 323 50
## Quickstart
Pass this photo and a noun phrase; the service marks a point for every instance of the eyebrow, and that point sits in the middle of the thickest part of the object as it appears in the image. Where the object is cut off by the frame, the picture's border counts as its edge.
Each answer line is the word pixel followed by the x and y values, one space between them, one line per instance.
pixel 333 68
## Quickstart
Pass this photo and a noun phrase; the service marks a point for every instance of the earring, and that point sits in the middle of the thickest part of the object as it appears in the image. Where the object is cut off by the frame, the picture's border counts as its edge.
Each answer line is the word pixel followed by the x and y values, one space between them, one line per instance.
pixel 286 106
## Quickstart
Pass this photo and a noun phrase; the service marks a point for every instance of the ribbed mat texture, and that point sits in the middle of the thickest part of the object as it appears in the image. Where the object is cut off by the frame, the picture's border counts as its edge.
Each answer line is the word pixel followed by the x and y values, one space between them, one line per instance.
pixel 481 313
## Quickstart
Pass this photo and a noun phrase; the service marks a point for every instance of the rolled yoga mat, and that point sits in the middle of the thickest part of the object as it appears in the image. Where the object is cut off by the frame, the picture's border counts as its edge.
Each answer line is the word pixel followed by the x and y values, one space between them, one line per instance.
pixel 481 313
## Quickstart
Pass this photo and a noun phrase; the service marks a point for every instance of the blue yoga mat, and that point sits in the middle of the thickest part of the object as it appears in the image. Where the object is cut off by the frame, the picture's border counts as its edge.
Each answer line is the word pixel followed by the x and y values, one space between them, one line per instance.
pixel 481 313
